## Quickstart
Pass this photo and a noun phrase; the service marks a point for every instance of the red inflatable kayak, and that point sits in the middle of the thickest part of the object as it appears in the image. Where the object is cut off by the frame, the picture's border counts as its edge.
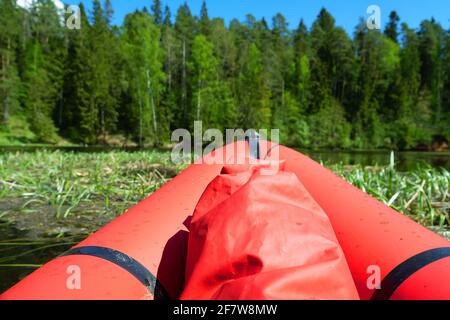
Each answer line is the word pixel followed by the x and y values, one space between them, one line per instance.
pixel 142 254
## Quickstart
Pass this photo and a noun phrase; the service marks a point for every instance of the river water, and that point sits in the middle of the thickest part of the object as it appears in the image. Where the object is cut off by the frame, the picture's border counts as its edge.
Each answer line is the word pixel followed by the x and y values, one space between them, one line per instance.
pixel 405 160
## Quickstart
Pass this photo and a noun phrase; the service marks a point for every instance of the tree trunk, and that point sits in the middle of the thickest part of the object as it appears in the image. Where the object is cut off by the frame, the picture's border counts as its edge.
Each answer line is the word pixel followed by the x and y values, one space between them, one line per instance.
pixel 169 62
pixel 439 105
pixel 199 99
pixel 5 97
pixel 183 89
pixel 103 125
pixel 5 67
pixel 140 119
pixel 152 102
pixel 61 99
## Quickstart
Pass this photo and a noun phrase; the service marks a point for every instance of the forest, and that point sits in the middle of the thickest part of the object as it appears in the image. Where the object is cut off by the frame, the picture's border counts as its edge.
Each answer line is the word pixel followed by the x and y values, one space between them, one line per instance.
pixel 160 71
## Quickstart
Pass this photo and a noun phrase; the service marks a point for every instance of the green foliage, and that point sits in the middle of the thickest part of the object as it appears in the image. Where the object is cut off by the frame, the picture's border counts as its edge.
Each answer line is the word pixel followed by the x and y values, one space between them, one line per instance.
pixel 294 128
pixel 39 95
pixel 329 128
pixel 254 104
pixel 203 70
pixel 10 81
pixel 391 30
pixel 421 194
pixel 157 12
pixel 149 76
pixel 146 79
pixel 17 132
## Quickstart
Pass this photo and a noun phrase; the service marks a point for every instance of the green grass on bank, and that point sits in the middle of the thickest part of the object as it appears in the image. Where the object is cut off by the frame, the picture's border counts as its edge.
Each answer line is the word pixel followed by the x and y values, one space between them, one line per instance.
pixel 77 183
pixel 17 133
pixel 422 194
pixel 68 183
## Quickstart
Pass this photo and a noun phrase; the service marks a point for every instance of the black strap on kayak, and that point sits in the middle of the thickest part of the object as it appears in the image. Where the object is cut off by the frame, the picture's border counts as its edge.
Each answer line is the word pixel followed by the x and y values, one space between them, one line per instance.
pixel 252 138
pixel 407 268
pixel 126 262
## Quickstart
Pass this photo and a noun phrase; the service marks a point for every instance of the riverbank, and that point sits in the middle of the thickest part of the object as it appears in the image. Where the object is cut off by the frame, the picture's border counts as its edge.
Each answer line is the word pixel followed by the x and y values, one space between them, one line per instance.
pixel 77 192
pixel 64 193
pixel 18 135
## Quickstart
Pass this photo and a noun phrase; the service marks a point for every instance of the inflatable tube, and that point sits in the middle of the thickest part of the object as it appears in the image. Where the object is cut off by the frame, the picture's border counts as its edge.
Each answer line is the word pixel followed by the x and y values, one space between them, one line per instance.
pixel 141 254
pixel 413 261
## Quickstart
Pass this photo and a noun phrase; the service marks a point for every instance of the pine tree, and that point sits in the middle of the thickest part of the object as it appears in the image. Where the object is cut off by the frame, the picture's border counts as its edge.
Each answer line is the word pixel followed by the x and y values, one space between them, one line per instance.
pixel 145 68
pixel 9 37
pixel 203 69
pixel 254 94
pixel 391 30
pixel 169 46
pixel 332 69
pixel 300 83
pixel 281 63
pixel 78 84
pixel 204 22
pixel 412 113
pixel 213 101
pixel 378 60
pixel 157 12
pixel 168 43
pixel 323 64
pixel 100 115
pixel 446 88
pixel 43 75
pixel 224 49
pixel 185 30
pixel 431 38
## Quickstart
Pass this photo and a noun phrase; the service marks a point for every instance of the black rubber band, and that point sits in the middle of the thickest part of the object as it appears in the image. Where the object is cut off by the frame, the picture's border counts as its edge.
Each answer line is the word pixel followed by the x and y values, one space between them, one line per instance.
pixel 126 262
pixel 407 268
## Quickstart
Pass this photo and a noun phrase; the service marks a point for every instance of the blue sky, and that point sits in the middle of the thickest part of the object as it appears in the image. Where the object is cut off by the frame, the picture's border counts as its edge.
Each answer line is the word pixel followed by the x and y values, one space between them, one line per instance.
pixel 346 12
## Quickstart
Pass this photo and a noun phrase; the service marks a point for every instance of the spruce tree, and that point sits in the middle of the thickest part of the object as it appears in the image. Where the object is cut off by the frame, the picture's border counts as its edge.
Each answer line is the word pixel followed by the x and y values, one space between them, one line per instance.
pixel 9 37
pixel 391 30
pixel 157 12
pixel 254 94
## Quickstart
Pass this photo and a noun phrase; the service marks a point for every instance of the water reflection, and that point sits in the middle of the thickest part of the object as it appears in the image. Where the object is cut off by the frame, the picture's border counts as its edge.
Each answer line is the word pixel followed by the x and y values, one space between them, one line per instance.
pixel 405 160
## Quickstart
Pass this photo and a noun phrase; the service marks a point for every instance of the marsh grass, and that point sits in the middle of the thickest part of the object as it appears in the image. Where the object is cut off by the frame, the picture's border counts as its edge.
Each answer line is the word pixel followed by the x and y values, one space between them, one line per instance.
pixel 111 182
pixel 422 194
pixel 68 183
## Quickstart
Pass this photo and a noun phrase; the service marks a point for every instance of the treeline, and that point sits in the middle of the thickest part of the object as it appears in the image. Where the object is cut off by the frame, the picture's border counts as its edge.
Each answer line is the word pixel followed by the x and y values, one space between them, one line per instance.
pixel 155 73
